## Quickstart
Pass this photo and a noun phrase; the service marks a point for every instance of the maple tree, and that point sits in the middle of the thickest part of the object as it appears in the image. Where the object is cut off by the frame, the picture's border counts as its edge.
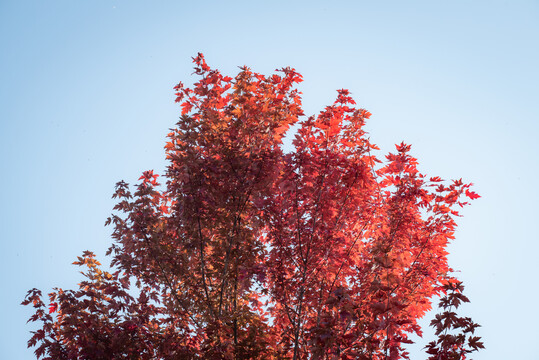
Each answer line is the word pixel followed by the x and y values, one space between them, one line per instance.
pixel 252 252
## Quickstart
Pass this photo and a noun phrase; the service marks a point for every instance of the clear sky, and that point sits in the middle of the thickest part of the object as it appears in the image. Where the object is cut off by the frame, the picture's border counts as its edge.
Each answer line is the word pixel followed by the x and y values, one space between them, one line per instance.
pixel 86 100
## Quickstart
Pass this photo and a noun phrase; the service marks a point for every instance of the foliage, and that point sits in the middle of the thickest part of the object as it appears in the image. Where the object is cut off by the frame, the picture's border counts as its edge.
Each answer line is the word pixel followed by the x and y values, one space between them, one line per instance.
pixel 451 345
pixel 250 252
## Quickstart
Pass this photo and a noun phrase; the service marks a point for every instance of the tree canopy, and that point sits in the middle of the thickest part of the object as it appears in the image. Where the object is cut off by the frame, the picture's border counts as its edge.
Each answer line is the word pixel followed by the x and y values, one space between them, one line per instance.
pixel 249 251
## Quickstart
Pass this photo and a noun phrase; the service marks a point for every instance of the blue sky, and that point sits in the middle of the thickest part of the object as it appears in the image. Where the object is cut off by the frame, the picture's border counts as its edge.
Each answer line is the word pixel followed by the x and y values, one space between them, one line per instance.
pixel 86 100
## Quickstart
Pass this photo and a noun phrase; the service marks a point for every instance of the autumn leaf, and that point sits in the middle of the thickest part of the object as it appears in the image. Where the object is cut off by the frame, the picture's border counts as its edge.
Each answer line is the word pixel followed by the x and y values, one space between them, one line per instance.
pixel 53 307
pixel 472 195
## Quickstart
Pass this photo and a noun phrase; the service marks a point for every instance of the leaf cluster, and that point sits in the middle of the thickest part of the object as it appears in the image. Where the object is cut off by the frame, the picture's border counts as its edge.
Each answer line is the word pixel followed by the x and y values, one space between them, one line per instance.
pixel 250 252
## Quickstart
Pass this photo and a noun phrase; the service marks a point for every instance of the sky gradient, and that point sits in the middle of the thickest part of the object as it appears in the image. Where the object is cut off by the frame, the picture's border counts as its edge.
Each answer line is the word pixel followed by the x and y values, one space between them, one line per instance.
pixel 86 100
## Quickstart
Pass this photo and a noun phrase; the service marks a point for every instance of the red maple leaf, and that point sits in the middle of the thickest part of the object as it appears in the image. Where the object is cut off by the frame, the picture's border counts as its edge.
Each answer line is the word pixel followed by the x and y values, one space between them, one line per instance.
pixel 53 307
pixel 472 195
